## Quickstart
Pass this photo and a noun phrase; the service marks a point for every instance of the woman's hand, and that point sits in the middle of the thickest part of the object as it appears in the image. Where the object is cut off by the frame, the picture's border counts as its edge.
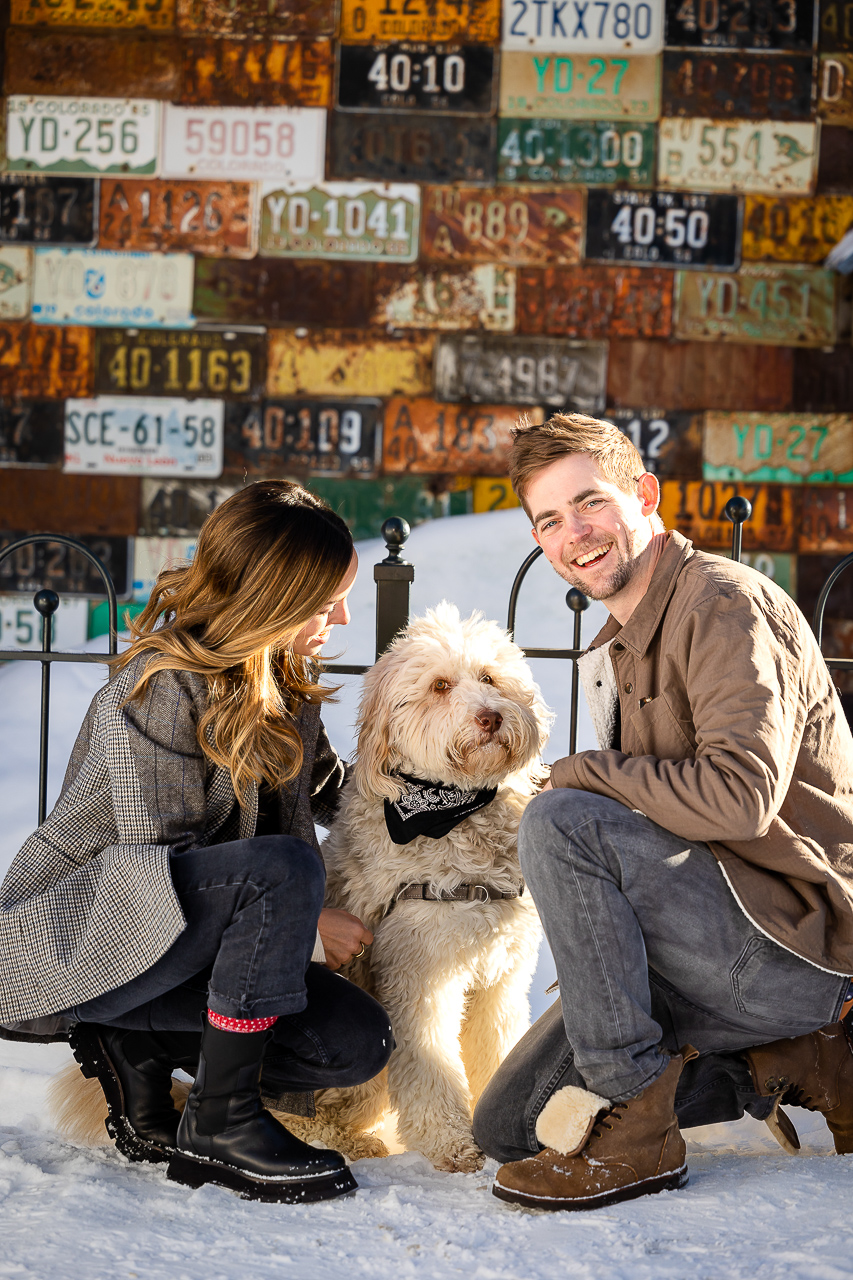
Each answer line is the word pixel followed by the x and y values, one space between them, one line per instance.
pixel 342 935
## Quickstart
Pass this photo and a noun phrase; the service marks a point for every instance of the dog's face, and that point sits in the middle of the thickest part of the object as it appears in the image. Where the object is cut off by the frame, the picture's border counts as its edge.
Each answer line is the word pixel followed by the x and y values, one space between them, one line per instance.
pixel 451 701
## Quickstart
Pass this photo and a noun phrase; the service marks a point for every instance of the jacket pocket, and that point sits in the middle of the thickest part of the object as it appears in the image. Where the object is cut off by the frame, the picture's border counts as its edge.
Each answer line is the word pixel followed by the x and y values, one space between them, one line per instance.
pixel 772 985
pixel 659 732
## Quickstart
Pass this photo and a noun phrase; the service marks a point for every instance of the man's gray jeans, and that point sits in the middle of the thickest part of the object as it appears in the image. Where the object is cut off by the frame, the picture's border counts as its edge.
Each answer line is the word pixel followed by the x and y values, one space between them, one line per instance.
pixel 652 951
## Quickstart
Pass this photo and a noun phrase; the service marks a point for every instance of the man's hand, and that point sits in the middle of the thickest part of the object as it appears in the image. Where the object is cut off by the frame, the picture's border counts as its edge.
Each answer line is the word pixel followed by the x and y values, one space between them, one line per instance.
pixel 342 936
pixel 549 786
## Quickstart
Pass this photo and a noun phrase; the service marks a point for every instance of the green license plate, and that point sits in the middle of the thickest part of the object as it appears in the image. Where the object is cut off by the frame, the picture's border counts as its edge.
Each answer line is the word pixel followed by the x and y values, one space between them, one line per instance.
pixel 595 153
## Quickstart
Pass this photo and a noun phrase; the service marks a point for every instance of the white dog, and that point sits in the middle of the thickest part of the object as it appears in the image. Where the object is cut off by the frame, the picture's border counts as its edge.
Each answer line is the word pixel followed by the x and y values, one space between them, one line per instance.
pixel 450 730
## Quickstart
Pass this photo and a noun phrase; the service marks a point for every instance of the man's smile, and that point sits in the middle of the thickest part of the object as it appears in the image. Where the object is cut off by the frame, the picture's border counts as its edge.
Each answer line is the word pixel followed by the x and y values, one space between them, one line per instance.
pixel 592 557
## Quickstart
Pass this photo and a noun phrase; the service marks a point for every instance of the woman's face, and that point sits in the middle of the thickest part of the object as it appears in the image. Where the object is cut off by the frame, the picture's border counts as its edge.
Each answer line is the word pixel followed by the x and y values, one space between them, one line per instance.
pixel 315 633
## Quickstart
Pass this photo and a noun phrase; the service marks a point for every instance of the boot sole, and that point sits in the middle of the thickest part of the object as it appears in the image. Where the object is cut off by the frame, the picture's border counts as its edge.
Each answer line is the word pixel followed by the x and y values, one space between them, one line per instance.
pixel 649 1186
pixel 95 1063
pixel 196 1171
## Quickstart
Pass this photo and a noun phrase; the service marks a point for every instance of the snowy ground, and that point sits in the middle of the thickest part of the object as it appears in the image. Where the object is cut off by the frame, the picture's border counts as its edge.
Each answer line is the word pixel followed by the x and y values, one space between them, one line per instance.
pixel 750 1212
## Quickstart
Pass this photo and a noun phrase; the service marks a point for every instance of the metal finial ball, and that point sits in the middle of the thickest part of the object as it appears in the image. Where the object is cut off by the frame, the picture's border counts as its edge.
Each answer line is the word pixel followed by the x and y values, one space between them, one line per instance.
pixel 46 602
pixel 395 531
pixel 576 600
pixel 738 509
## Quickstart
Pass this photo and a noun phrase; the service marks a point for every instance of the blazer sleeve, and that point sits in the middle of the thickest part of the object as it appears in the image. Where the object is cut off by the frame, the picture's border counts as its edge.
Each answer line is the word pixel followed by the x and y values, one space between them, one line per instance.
pixel 327 780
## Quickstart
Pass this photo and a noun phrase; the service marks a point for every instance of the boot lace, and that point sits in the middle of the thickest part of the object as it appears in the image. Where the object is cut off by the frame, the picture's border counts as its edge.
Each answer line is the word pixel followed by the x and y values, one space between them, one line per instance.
pixel 615 1112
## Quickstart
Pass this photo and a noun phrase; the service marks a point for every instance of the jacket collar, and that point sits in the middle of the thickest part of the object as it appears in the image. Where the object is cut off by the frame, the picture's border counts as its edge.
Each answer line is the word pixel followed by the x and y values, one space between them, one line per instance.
pixel 638 632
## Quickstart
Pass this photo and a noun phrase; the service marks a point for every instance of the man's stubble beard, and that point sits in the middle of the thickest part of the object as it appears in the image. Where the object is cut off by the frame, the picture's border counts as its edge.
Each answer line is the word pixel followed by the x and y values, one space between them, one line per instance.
pixel 618 580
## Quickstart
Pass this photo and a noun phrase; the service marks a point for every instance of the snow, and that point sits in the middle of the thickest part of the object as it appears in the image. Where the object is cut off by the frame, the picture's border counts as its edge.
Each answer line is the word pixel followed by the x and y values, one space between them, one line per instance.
pixel 749 1213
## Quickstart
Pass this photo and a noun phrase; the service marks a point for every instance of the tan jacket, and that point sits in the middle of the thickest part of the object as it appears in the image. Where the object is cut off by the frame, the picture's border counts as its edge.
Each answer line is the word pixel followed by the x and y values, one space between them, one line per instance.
pixel 733 734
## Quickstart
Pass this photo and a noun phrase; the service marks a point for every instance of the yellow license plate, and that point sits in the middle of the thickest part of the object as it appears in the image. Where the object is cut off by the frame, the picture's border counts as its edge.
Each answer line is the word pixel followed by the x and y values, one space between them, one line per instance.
pixel 794 228
pixel 697 509
pixel 158 15
pixel 367 21
pixel 332 363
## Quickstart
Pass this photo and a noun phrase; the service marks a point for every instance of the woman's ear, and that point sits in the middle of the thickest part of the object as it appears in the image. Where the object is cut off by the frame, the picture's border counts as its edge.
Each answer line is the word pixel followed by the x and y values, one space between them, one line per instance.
pixel 371 767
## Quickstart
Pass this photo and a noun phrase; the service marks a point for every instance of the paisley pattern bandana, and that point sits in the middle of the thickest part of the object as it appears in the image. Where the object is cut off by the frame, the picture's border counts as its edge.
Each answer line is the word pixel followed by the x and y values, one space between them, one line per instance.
pixel 431 809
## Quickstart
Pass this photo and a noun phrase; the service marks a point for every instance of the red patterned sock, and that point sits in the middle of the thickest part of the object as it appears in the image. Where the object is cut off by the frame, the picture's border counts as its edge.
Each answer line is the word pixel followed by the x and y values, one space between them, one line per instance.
pixel 245 1025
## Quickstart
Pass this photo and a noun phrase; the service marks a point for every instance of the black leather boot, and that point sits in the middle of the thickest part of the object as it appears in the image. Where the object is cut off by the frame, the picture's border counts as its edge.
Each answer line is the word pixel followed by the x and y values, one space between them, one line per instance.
pixel 228 1138
pixel 134 1069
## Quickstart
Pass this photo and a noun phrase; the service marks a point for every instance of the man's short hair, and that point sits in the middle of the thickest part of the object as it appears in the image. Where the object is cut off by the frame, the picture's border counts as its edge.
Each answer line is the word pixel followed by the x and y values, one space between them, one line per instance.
pixel 535 447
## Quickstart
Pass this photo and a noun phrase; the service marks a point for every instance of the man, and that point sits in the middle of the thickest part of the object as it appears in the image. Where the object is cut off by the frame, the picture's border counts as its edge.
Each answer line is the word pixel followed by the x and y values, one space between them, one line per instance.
pixel 695 875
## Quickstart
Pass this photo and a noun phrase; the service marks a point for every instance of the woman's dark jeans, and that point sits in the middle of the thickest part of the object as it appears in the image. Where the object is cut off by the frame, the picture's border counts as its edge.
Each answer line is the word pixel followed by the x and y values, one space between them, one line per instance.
pixel 251 908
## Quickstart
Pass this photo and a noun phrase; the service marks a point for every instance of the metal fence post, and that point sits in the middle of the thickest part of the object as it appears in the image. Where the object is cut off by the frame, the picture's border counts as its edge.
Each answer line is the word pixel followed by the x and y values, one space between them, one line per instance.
pixel 738 510
pixel 393 577
pixel 46 603
pixel 577 602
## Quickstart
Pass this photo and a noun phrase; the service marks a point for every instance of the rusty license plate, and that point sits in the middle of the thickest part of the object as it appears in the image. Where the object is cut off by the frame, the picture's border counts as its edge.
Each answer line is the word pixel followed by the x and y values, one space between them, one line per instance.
pixel 836 26
pixel 529 371
pixel 361 221
pixel 82 135
pixel 823 380
pixel 696 508
pixel 794 228
pixel 691 375
pixel 330 362
pixel 174 508
pixel 826 523
pixel 424 435
pixel 835 89
pixel 456 79
pixel 551 86
pixel 334 438
pixel 745 24
pixel 662 228
pixel 371 21
pixel 670 443
pixel 47 210
pixel 595 302
pixel 416 147
pixel 480 298
pixel 835 168
pixel 257 17
pixel 786 306
pixel 750 86
pixel 65 569
pixel 31 433
pixel 45 360
pixel 741 155
pixel 595 152
pixel 86 64
pixel 779 448
pixel 16 281
pixel 216 218
pixel 158 15
pixel 553 26
pixel 282 291
pixel 505 224
pixel 235 73
pixel 178 362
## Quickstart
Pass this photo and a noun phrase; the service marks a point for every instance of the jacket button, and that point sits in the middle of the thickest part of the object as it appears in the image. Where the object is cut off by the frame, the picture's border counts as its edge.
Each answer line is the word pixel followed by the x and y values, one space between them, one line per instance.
pixel 618 646
pixel 629 688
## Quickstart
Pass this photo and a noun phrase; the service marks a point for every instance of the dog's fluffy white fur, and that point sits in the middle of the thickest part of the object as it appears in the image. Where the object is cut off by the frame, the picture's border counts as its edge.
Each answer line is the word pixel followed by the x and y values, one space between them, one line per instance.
pixel 453 976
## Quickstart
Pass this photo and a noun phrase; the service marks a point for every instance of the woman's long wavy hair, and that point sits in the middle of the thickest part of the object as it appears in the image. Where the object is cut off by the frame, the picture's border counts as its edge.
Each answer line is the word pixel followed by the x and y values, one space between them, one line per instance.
pixel 268 559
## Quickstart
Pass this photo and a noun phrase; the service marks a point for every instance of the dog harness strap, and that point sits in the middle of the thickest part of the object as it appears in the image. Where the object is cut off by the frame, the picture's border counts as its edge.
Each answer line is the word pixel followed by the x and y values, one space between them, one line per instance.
pixel 462 893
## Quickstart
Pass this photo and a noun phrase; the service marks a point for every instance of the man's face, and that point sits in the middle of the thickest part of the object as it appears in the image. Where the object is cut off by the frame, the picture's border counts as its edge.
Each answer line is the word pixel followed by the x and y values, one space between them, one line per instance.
pixel 592 532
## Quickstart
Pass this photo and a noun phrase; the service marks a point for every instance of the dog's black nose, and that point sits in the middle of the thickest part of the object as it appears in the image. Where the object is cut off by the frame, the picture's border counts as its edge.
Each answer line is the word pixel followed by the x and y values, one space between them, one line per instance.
pixel 489 721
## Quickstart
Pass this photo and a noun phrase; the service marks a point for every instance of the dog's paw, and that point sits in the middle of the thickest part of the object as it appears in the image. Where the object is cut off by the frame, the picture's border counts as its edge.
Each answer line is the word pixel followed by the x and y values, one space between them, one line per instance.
pixel 460 1158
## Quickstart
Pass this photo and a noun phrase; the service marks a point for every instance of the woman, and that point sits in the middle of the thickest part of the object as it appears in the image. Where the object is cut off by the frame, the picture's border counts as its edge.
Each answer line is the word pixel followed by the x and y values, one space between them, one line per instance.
pixel 178 877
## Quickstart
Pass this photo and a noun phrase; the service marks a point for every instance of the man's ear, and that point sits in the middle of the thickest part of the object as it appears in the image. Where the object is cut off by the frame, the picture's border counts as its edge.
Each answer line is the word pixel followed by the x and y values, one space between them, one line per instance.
pixel 648 491
pixel 536 537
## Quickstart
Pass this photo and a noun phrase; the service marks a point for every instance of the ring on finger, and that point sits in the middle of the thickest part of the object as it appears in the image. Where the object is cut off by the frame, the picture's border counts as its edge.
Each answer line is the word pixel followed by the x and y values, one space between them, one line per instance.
pixel 360 953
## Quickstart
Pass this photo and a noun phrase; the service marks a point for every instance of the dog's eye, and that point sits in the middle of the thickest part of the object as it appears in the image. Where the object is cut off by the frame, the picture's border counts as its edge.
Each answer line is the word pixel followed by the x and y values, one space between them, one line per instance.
pixel 441 686
pixel 486 679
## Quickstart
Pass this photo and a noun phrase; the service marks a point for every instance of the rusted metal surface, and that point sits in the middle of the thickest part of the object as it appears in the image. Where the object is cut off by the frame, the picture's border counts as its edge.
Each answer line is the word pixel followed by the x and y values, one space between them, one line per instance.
pixel 47 210
pixel 456 79
pixel 253 73
pixel 52 502
pixel 16 281
pixel 579 87
pixel 780 448
pixel 752 24
pixel 835 89
pixel 741 155
pixel 334 438
pixel 671 443
pixel 425 435
pixel 516 225
pixel 697 509
pixel 329 362
pixel 169 362
pixel 64 569
pixel 257 17
pixel 836 26
pixel 361 221
pixel 216 218
pixel 173 508
pixel 696 375
pixel 823 380
pixel 414 298
pixel 280 291
pixel 835 172
pixel 45 360
pixel 794 228
pixel 31 433
pixel 414 147
pixel 127 64
pixel 551 26
pixel 591 152
pixel 545 371
pixel 82 135
pixel 370 21
pixel 826 522
pixel 595 302
pixel 102 287
pixel 158 15
pixel 788 306
pixel 749 86
pixel 664 227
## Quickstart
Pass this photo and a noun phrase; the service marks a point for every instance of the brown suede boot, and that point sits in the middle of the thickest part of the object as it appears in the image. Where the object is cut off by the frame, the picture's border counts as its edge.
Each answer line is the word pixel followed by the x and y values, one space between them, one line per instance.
pixel 813 1071
pixel 598 1153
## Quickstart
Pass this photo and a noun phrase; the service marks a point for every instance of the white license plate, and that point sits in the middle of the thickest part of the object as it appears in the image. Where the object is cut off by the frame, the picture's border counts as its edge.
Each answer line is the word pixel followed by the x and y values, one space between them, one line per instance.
pixel 737 155
pixel 20 623
pixel 99 287
pixel 16 282
pixel 584 26
pixel 151 555
pixel 82 135
pixel 358 221
pixel 250 144
pixel 141 435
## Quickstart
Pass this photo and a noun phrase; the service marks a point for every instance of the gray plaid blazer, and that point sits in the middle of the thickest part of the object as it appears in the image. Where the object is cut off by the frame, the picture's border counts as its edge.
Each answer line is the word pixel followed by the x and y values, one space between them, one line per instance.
pixel 88 902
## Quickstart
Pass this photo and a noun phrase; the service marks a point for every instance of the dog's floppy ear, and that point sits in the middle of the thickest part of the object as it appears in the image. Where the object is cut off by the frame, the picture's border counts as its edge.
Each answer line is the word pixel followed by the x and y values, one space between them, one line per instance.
pixel 373 756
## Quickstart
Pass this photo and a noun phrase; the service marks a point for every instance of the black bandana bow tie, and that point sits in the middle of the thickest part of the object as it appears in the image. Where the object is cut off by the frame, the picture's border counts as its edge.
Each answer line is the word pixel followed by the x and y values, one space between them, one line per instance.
pixel 431 809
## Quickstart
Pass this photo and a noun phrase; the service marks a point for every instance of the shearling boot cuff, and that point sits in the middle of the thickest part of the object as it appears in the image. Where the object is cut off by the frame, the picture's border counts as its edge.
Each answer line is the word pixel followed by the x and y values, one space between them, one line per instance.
pixel 566 1120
